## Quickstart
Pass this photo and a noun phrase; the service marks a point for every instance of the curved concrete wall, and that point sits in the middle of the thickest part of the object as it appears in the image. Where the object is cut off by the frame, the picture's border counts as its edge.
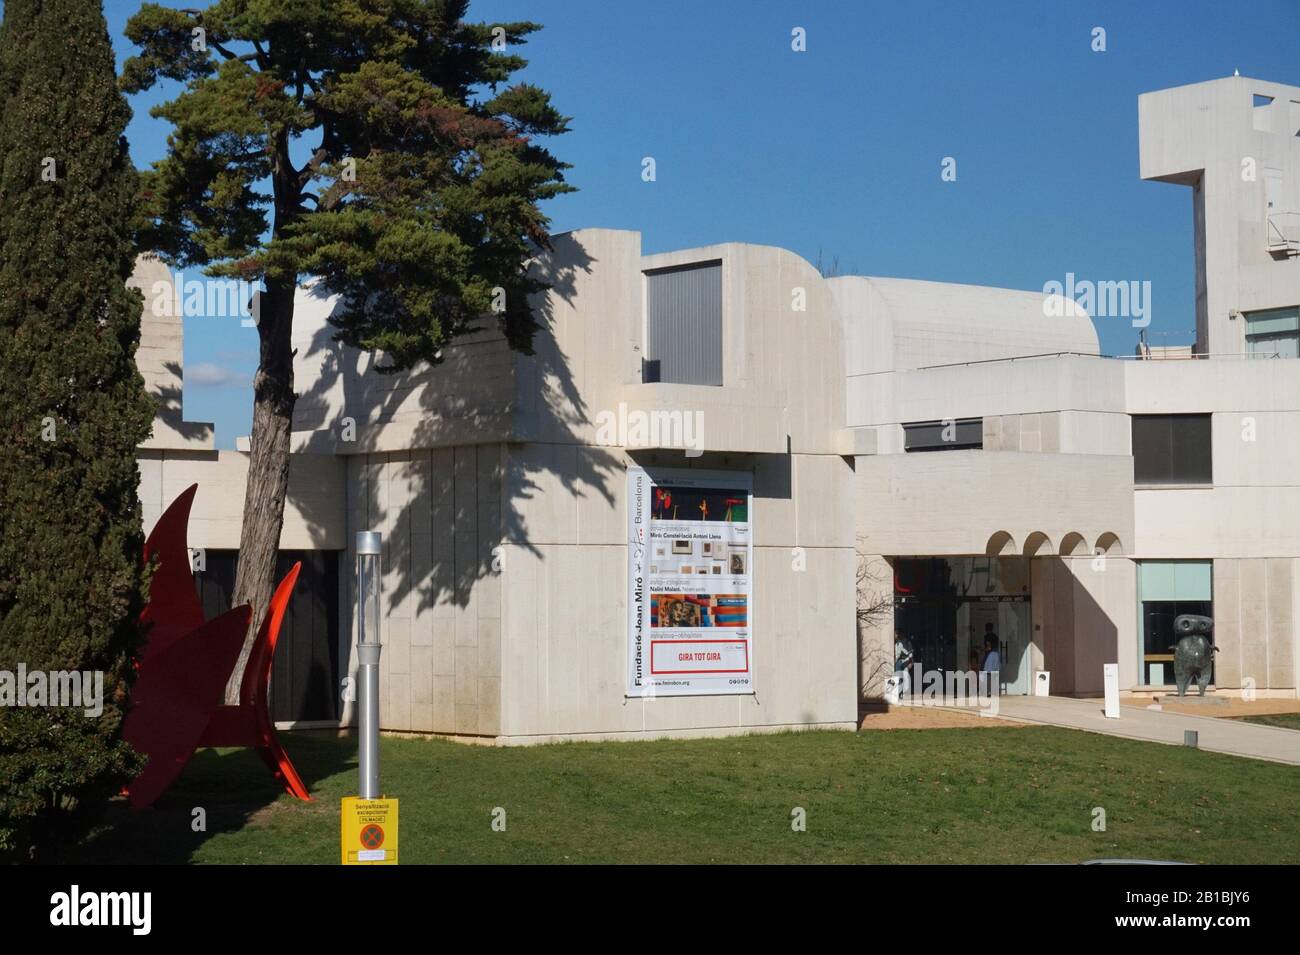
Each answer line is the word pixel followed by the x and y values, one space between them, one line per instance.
pixel 896 324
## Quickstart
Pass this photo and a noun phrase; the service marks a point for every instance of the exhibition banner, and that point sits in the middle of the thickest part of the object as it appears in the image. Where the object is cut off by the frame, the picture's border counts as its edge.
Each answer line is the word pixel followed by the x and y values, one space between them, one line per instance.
pixel 690 610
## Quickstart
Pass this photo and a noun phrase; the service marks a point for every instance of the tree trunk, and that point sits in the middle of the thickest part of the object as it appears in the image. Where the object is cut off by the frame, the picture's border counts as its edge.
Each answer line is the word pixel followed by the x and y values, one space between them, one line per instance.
pixel 268 465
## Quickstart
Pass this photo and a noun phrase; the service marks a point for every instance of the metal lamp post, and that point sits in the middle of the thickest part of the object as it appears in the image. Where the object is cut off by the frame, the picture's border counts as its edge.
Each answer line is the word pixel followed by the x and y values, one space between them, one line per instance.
pixel 368 549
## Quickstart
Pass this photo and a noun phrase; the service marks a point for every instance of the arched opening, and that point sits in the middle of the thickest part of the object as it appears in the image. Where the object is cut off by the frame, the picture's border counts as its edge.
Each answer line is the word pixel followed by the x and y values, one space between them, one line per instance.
pixel 1037 544
pixel 1073 544
pixel 1109 544
pixel 1000 544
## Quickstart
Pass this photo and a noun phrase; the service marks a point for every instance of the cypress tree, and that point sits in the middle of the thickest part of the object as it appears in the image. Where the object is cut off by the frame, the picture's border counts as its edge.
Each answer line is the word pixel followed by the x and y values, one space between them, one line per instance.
pixel 72 410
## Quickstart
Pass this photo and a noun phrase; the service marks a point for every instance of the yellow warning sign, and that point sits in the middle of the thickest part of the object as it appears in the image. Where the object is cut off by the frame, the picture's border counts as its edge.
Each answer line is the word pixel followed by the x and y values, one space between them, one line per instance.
pixel 369 831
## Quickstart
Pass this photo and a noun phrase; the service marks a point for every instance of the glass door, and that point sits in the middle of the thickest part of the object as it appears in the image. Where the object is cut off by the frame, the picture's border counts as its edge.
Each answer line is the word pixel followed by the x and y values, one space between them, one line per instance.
pixel 1014 618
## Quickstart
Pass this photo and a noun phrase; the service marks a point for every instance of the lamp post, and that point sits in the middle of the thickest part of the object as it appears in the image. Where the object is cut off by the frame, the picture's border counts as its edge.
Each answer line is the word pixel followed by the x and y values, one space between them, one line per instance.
pixel 368 549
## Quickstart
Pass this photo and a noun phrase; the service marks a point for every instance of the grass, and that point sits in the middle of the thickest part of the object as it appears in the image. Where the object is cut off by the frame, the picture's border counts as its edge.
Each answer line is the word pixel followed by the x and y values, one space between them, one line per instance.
pixel 1005 795
pixel 1287 721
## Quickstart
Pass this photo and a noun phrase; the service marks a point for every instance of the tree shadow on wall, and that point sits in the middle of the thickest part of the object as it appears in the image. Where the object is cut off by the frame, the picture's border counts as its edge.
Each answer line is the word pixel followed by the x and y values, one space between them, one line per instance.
pixel 437 459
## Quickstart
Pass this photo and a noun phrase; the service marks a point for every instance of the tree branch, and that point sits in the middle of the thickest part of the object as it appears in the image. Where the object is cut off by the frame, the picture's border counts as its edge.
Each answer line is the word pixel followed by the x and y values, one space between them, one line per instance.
pixel 230 55
pixel 259 57
pixel 251 156
pixel 305 174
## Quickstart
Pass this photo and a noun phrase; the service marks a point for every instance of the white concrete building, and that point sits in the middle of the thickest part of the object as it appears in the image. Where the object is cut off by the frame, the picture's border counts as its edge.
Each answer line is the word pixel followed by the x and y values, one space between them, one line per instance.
pixel 961 459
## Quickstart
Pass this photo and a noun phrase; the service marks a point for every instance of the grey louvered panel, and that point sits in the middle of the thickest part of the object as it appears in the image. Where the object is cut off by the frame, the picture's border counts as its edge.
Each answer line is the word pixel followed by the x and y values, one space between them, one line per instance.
pixel 684 323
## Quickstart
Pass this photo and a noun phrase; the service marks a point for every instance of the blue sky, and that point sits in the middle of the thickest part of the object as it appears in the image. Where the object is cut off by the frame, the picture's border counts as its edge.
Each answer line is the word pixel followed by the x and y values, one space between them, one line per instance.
pixel 839 148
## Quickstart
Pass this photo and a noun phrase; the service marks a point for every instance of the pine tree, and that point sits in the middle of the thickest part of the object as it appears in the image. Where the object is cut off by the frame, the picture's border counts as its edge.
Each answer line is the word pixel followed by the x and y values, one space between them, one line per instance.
pixel 72 409
pixel 415 197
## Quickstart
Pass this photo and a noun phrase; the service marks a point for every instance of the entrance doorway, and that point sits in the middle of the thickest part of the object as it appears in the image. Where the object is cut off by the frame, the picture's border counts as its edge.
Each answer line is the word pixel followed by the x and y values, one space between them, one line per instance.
pixel 945 606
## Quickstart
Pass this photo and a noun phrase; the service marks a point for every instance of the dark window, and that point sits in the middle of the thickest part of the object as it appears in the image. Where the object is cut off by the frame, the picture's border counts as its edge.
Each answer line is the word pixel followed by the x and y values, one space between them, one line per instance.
pixel 950 435
pixel 1159 639
pixel 305 674
pixel 684 324
pixel 1172 449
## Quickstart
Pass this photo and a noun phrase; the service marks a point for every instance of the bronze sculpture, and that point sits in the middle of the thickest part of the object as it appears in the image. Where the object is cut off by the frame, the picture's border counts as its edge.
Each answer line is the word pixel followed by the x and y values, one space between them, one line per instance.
pixel 1194 652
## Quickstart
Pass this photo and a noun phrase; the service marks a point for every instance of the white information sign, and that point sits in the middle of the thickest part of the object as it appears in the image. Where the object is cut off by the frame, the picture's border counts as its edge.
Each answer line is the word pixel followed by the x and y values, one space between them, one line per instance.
pixel 1110 679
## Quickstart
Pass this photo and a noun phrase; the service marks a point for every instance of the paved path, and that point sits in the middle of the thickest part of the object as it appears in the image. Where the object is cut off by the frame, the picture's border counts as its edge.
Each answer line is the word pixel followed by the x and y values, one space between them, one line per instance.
pixel 1159 726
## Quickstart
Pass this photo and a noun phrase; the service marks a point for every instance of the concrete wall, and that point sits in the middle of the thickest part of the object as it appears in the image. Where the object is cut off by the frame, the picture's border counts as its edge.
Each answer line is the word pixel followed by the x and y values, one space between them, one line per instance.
pixel 875 601
pixel 313 511
pixel 776 394
pixel 1054 476
pixel 1221 385
pixel 160 358
pixel 778 415
pixel 589 349
pixel 1025 386
pixel 956 502
pixel 1085 394
pixel 781 336
pixel 345 406
pixel 782 339
pixel 1084 616
pixel 1211 137
pixel 1061 432
pixel 440 513
pixel 1255 436
pixel 897 324
pixel 1201 523
pixel 505 584
pixel 565 598
pixel 1255 613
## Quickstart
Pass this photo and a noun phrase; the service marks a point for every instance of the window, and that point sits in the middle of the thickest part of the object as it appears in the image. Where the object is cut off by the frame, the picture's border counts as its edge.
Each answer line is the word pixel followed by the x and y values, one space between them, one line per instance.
pixel 1260 113
pixel 684 324
pixel 1172 449
pixel 1167 589
pixel 1273 333
pixel 951 435
pixel 307 655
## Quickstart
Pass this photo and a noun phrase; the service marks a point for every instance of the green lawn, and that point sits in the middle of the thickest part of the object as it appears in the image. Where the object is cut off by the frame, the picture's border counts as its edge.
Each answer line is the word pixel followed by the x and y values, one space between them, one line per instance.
pixel 944 795
pixel 1288 721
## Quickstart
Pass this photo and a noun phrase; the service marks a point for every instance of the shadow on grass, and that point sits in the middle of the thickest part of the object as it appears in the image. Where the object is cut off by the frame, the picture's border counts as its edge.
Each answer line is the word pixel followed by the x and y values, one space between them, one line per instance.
pixel 949 796
pixel 231 786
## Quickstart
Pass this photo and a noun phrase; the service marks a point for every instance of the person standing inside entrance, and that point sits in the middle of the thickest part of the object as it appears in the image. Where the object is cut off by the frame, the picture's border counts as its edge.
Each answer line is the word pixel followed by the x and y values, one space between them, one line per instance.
pixel 903 656
pixel 992 661
pixel 992 658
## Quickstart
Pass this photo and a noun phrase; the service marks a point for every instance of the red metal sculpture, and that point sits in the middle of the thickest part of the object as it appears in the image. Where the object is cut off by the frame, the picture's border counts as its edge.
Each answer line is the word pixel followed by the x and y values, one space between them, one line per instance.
pixel 176 703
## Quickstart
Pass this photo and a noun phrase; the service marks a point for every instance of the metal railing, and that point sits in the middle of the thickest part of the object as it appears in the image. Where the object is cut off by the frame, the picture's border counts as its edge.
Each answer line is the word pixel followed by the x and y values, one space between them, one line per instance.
pixel 1284 232
pixel 1193 356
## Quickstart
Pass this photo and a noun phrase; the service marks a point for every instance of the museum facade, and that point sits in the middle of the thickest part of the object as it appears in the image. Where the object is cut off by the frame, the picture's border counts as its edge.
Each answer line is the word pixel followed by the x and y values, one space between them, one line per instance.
pixel 724 486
